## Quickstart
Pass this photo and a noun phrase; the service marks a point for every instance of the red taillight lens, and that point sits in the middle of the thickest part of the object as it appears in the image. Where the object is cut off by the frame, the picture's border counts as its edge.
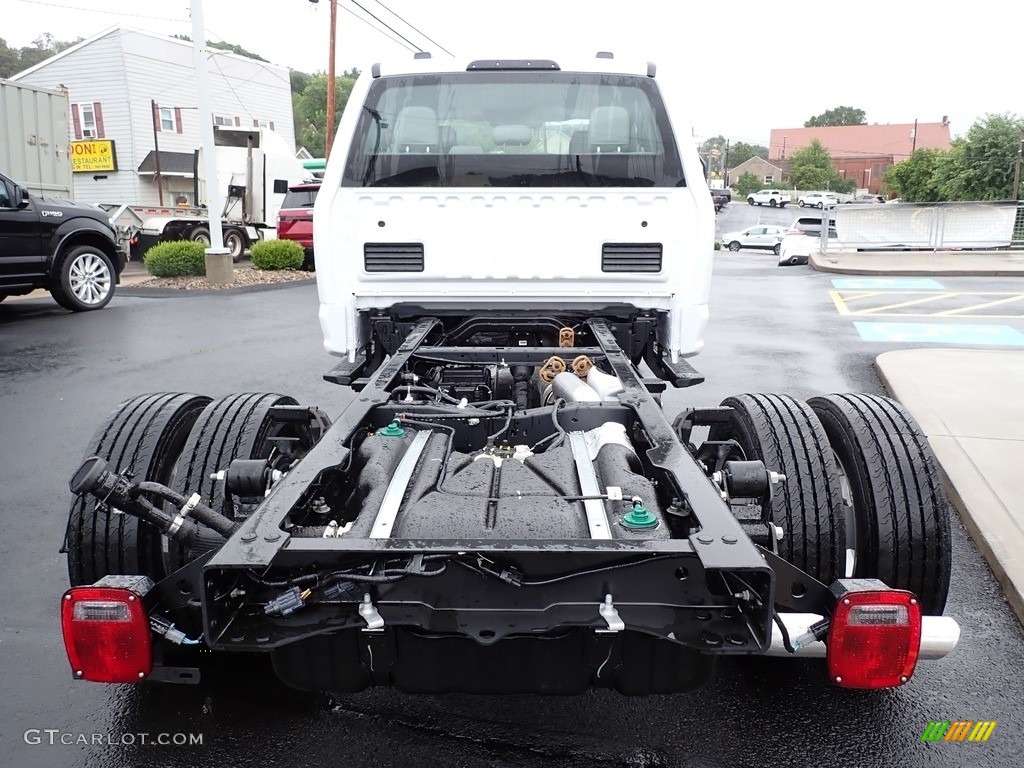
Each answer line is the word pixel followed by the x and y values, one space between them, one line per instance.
pixel 106 634
pixel 874 639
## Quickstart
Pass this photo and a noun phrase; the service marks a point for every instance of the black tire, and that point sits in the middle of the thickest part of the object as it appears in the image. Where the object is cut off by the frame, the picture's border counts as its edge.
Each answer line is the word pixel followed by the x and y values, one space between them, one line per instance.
pixel 772 203
pixel 84 279
pixel 200 235
pixel 750 201
pixel 234 241
pixel 785 434
pixel 143 435
pixel 899 504
pixel 821 206
pixel 232 427
pixel 734 246
pixel 777 249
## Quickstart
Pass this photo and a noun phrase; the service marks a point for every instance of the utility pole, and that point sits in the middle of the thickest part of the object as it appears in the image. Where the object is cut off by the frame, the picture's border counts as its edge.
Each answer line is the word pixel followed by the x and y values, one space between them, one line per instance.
pixel 1016 168
pixel 156 149
pixel 913 135
pixel 329 136
pixel 725 165
pixel 330 81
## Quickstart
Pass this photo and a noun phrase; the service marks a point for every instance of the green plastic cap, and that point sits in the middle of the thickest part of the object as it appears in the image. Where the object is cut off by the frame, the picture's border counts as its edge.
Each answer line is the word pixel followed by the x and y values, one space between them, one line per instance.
pixel 639 517
pixel 394 429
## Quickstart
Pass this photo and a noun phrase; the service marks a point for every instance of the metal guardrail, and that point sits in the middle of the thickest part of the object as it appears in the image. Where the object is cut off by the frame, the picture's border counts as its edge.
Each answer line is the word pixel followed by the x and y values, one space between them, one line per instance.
pixel 931 226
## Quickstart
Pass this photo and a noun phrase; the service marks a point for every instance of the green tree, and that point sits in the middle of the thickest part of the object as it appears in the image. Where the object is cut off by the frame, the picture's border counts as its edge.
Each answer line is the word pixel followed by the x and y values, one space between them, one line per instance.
pixel 310 109
pixel 980 165
pixel 746 184
pixel 223 45
pixel 14 60
pixel 811 167
pixel 837 116
pixel 740 152
pixel 914 180
pixel 708 144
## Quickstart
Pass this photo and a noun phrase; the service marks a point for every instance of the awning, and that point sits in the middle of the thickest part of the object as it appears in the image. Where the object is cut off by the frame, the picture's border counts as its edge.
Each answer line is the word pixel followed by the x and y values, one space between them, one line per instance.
pixel 171 164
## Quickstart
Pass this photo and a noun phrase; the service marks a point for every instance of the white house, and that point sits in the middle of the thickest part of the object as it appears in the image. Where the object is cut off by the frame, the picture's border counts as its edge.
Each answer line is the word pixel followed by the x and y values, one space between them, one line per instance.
pixel 133 91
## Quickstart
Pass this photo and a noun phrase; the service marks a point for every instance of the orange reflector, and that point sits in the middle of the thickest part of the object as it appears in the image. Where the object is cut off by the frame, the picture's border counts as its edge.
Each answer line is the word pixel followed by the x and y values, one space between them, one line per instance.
pixel 874 639
pixel 106 634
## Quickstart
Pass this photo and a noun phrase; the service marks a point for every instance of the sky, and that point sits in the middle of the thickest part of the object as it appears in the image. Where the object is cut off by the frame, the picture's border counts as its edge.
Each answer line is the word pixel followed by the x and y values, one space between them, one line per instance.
pixel 749 66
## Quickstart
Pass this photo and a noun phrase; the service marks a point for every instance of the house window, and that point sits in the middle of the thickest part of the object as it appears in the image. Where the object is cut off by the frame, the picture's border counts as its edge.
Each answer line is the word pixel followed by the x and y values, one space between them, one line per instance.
pixel 263 124
pixel 223 120
pixel 87 120
pixel 769 179
pixel 167 119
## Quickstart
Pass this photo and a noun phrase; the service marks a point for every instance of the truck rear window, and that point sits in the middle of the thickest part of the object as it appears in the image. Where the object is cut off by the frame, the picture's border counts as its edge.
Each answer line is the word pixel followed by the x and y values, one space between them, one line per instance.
pixel 513 129
pixel 300 198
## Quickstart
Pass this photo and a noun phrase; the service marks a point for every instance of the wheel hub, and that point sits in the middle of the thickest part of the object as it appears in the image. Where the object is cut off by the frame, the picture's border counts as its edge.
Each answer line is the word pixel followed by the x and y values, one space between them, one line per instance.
pixel 89 278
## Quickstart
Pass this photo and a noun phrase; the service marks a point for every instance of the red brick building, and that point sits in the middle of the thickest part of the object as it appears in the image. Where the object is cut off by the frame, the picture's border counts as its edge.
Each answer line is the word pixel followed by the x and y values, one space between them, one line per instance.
pixel 862 152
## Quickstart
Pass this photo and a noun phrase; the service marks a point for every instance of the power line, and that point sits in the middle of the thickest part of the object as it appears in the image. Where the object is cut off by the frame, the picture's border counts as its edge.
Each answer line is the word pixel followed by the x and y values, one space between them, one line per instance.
pixel 232 88
pixel 381 21
pixel 418 31
pixel 106 13
pixel 352 13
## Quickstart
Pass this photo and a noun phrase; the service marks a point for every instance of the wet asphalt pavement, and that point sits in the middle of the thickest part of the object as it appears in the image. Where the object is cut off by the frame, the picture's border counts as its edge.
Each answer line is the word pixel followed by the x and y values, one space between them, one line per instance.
pixel 772 330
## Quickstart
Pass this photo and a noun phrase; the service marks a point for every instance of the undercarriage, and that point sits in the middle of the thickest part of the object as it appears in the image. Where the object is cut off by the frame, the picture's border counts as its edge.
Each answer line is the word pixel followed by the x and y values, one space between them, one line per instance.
pixel 505 507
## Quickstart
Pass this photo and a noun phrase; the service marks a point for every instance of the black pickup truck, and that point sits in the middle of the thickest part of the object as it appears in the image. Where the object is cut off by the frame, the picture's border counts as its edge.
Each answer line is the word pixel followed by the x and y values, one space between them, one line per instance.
pixel 67 248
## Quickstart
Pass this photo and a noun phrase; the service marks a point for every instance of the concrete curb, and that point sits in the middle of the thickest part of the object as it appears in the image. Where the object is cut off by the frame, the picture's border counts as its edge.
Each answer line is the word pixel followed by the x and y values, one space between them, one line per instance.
pixel 978 464
pixel 140 292
pixel 941 263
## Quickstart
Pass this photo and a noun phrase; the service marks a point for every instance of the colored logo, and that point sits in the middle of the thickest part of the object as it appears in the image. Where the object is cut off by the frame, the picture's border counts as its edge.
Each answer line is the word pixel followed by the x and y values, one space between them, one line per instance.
pixel 958 730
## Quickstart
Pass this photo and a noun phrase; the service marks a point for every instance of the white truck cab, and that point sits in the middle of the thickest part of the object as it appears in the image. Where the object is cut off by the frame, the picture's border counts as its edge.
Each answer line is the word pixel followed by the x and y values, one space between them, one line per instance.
pixel 569 188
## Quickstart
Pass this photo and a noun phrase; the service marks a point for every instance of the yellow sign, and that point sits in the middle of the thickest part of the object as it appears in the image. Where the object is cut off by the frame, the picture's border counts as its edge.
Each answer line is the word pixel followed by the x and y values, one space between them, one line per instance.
pixel 93 155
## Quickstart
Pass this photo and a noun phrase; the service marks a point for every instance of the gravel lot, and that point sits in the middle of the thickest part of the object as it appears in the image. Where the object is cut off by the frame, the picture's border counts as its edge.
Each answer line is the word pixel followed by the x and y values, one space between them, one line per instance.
pixel 243 276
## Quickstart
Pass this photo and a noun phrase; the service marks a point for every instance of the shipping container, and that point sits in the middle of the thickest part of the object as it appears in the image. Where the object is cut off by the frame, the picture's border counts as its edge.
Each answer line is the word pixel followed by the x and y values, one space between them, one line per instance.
pixel 34 139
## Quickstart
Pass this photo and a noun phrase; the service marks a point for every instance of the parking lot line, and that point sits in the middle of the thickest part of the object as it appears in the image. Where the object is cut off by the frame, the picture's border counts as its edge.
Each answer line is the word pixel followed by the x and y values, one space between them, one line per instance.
pixel 902 303
pixel 940 333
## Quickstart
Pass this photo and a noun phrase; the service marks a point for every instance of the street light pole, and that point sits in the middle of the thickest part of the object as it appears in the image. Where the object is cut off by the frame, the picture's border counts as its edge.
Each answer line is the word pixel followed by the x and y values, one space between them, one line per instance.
pixel 218 259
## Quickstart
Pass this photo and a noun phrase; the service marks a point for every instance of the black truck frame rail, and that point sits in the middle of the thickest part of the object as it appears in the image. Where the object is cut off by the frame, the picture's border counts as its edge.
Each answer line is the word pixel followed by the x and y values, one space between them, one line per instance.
pixel 713 591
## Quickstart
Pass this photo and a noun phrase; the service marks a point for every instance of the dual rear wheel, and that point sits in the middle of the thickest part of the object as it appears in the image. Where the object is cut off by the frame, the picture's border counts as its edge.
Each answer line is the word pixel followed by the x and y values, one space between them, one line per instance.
pixel 178 440
pixel 862 496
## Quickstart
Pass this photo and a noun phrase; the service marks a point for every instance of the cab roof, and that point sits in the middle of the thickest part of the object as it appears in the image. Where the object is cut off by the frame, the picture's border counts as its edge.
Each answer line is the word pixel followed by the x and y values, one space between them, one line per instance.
pixel 603 62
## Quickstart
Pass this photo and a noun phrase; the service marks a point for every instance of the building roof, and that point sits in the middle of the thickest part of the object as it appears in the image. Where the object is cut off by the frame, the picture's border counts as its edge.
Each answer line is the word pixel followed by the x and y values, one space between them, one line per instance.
pixel 171 163
pixel 852 141
pixel 121 28
pixel 752 161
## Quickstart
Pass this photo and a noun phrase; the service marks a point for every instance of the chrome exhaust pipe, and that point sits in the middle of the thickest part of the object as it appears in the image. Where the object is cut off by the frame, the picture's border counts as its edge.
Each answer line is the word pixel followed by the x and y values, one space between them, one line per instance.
pixel 939 636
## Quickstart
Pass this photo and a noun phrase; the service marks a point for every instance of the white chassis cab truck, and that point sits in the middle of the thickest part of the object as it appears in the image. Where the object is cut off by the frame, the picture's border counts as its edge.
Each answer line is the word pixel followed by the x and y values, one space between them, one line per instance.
pixel 513 262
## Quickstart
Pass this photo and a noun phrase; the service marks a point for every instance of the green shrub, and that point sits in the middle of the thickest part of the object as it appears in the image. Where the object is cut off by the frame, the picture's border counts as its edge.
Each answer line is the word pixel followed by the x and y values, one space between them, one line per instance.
pixel 174 258
pixel 718 246
pixel 278 254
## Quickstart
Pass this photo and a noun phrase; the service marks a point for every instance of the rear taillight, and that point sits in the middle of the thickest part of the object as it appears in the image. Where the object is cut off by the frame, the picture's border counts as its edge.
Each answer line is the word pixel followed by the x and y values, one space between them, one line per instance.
pixel 106 631
pixel 874 636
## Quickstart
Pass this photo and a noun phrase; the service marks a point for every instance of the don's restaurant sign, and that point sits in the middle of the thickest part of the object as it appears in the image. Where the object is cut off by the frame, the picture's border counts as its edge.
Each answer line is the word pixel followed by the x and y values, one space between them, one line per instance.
pixel 93 155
